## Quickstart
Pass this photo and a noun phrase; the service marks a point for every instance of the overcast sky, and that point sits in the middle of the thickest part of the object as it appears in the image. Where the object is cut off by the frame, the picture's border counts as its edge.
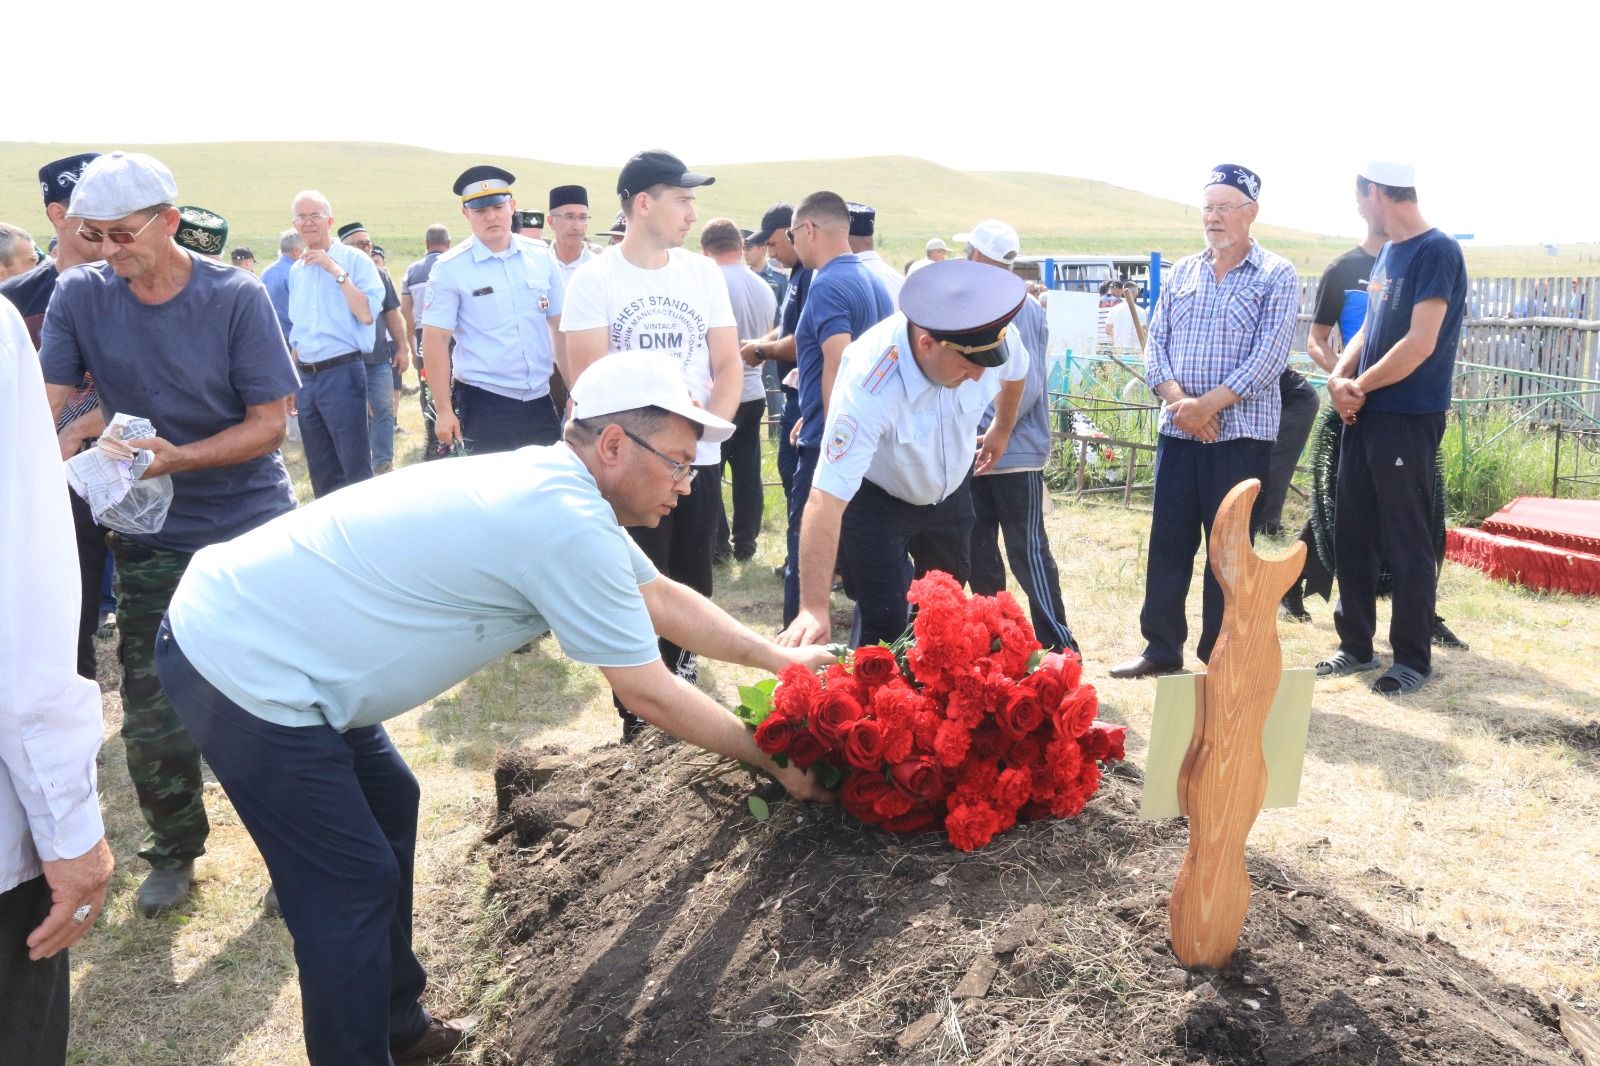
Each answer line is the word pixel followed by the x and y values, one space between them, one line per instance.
pixel 1498 113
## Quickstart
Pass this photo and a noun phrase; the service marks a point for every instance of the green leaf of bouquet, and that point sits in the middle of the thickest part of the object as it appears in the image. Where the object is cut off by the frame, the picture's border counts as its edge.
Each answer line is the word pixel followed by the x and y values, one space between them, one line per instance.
pixel 782 761
pixel 758 808
pixel 828 775
pixel 1036 658
pixel 755 703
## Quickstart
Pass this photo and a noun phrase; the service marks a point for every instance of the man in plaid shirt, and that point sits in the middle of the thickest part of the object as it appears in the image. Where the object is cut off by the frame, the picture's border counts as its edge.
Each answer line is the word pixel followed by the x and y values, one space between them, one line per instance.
pixel 1218 340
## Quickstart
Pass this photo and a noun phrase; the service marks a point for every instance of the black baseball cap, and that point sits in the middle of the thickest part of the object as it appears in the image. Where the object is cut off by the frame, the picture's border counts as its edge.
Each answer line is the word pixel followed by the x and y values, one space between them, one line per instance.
pixel 778 216
pixel 656 167
pixel 241 253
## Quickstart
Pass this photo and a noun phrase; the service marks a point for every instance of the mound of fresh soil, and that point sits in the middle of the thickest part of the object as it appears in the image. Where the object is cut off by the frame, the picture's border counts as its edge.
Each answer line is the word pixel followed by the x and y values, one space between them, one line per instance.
pixel 649 918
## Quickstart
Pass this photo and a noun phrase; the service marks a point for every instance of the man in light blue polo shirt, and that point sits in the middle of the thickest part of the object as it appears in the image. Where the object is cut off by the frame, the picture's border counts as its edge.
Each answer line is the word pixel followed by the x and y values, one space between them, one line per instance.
pixel 499 295
pixel 388 593
pixel 335 295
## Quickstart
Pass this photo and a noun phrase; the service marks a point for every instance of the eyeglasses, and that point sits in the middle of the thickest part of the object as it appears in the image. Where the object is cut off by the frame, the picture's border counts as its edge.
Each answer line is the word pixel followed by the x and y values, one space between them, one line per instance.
pixel 1222 210
pixel 365 246
pixel 680 471
pixel 790 232
pixel 314 216
pixel 118 236
pixel 563 217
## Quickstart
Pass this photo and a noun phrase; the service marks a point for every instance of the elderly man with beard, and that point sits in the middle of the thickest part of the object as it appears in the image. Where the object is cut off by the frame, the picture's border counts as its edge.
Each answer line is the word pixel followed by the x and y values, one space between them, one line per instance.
pixel 1218 341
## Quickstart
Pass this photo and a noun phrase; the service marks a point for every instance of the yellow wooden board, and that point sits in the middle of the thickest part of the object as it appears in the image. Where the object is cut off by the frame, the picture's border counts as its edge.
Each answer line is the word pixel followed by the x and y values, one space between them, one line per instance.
pixel 1283 741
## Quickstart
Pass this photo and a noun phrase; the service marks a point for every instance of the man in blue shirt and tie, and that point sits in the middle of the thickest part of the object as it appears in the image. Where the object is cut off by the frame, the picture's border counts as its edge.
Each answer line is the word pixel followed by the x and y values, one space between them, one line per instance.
pixel 335 295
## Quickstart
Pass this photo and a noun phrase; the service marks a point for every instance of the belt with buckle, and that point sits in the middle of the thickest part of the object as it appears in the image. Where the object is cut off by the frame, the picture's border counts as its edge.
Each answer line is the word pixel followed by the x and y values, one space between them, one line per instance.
pixel 326 364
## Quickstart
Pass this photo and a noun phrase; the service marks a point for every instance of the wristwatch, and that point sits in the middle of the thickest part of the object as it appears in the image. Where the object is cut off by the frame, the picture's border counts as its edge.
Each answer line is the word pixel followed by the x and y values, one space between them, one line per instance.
pixel 757 350
pixel 339 279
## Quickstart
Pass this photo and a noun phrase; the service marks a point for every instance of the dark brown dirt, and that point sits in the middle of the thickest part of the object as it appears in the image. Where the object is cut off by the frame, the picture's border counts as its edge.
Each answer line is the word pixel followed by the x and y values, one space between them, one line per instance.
pixel 650 919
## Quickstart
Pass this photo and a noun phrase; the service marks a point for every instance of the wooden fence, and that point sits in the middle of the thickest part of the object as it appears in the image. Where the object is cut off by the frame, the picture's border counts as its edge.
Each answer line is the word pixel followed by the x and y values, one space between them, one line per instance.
pixel 1515 327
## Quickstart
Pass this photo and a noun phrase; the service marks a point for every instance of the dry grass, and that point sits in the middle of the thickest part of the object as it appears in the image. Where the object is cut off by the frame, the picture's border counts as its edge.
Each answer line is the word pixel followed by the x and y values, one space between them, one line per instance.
pixel 1471 809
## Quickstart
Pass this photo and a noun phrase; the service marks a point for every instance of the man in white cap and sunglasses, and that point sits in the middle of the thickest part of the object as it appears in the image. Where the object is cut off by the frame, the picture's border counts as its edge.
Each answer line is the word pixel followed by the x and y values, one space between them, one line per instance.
pixel 371 619
pixel 193 346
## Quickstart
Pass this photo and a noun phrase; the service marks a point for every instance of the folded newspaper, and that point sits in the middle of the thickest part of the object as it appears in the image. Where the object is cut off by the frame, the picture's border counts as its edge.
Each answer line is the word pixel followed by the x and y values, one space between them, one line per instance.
pixel 110 478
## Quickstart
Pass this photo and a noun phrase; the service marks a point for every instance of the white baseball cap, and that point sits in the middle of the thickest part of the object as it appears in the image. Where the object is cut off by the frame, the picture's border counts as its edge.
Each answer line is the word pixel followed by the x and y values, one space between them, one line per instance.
pixel 994 240
pixel 627 381
pixel 935 245
pixel 1386 172
pixel 120 183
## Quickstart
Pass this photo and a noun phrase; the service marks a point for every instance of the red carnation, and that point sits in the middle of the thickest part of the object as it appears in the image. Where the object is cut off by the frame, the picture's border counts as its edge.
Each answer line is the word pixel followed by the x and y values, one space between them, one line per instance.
pixel 875 666
pixel 1013 788
pixel 861 794
pixel 897 743
pixel 1020 714
pixel 774 735
pixel 797 687
pixel 832 714
pixel 1028 751
pixel 971 825
pixel 950 743
pixel 805 749
pixel 1077 711
pixel 863 744
pixel 918 778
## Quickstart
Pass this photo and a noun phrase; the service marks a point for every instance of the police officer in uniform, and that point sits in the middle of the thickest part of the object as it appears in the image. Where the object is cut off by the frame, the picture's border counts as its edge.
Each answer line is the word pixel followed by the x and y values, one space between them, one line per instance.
pixel 893 485
pixel 499 295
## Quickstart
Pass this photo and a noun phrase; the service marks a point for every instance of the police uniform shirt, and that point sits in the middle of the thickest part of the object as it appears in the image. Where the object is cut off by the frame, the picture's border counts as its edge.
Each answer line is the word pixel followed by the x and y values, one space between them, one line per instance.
pixel 496 304
pixel 888 423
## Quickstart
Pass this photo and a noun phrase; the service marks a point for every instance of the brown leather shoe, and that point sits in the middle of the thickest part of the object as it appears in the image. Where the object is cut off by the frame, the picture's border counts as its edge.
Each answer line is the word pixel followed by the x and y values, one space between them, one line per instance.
pixel 1142 667
pixel 442 1037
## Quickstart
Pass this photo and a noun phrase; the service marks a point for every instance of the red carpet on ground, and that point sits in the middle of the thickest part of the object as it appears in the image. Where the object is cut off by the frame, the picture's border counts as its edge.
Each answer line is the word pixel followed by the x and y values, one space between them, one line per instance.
pixel 1538 542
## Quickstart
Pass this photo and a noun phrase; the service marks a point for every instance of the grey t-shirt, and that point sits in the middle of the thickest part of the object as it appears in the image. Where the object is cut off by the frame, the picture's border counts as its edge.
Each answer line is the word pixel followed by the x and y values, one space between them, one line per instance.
pixel 191 366
pixel 383 347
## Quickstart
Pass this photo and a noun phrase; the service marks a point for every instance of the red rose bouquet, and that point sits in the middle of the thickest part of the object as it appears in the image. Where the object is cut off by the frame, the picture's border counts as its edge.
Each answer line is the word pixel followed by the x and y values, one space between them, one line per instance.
pixel 963 723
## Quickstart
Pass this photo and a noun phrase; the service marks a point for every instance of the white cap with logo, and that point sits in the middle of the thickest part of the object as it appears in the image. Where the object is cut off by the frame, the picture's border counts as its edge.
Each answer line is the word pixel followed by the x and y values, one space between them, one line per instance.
pixel 993 239
pixel 120 183
pixel 627 381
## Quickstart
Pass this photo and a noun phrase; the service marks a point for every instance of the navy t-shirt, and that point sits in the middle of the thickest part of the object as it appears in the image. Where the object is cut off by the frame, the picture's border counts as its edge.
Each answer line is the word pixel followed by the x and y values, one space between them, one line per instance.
pixel 1429 266
pixel 794 300
pixel 845 297
pixel 384 345
pixel 191 366
pixel 1342 292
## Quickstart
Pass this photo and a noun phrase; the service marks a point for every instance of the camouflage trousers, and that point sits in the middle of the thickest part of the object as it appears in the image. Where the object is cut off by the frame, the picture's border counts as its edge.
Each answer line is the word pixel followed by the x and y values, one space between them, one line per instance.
pixel 163 761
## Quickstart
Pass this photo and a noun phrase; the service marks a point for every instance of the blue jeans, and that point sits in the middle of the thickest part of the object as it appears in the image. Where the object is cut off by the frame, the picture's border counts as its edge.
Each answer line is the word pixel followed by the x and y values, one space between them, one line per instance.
pixel 333 427
pixel 335 817
pixel 380 409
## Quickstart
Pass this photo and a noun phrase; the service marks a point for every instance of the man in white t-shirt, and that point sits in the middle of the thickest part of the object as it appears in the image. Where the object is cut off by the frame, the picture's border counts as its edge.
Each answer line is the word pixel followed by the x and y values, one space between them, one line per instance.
pixel 649 294
pixel 754 306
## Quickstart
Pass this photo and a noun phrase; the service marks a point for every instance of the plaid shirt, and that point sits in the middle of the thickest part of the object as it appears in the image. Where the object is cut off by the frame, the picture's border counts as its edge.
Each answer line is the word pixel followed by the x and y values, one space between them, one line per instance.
pixel 1236 332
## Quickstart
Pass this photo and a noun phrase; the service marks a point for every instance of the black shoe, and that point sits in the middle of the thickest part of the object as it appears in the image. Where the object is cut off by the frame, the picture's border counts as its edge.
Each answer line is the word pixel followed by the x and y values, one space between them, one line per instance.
pixel 524 650
pixel 1293 604
pixel 632 727
pixel 439 1040
pixel 1443 638
pixel 744 555
pixel 1142 667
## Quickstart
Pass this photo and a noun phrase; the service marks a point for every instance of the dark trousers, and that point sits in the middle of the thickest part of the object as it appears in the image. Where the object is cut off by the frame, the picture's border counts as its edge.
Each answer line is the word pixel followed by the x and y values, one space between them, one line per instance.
pixel 805 468
pixel 788 457
pixel 92 553
pixel 885 542
pixel 1012 505
pixel 741 458
pixel 335 817
pixel 1385 512
pixel 680 546
pixel 494 423
pixel 1300 404
pixel 33 995
pixel 1191 479
pixel 333 427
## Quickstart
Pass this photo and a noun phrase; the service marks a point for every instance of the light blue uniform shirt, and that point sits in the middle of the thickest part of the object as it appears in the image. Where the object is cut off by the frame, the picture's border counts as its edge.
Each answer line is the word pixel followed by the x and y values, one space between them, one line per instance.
pixel 321 323
pixel 378 597
pixel 496 305
pixel 888 423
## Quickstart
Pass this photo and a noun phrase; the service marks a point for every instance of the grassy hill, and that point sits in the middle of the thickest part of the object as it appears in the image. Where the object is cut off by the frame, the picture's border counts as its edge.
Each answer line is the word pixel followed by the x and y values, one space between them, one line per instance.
pixel 397 190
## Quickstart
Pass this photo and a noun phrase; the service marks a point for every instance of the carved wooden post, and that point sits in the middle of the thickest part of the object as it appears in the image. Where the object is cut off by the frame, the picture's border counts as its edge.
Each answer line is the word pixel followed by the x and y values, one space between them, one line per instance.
pixel 1224 775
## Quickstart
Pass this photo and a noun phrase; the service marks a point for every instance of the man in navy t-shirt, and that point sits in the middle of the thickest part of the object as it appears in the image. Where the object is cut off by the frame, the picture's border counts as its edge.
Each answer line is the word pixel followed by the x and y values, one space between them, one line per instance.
pixel 844 301
pixel 1392 389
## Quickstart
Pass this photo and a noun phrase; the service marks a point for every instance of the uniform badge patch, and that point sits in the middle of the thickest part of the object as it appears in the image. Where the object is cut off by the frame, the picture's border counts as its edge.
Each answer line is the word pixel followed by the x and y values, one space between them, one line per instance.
pixel 843 435
pixel 544 303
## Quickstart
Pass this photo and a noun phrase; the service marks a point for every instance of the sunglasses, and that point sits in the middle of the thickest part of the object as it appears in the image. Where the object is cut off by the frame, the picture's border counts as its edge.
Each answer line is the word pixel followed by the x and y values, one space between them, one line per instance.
pixel 789 233
pixel 117 236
